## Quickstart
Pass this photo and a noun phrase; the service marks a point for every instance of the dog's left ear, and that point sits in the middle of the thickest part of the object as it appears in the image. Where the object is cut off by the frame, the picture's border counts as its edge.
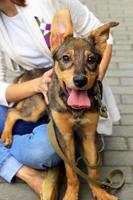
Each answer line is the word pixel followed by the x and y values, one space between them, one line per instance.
pixel 101 35
pixel 60 29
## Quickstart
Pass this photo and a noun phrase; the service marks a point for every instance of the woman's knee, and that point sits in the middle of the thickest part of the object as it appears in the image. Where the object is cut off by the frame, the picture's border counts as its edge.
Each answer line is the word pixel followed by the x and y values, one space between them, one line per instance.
pixel 44 158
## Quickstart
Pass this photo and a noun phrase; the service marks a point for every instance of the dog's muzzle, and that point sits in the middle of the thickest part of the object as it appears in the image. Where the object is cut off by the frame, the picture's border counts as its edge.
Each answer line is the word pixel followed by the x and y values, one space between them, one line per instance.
pixel 77 96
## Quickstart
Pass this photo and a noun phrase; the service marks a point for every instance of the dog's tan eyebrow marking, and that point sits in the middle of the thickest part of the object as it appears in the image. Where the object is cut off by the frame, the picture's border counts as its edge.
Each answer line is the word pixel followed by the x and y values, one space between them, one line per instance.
pixel 69 52
pixel 88 53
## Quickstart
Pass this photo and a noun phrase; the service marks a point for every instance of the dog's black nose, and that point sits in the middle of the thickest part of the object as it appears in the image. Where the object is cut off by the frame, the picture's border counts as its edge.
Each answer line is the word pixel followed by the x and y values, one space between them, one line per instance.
pixel 80 80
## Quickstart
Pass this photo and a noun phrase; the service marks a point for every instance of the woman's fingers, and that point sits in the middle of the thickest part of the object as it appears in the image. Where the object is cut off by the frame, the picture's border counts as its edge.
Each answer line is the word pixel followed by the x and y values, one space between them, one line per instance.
pixel 46 97
pixel 49 73
pixel 46 79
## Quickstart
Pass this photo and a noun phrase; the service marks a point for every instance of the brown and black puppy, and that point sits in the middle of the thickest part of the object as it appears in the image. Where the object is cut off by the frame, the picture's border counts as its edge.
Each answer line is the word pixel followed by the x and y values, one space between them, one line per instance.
pixel 75 72
pixel 71 96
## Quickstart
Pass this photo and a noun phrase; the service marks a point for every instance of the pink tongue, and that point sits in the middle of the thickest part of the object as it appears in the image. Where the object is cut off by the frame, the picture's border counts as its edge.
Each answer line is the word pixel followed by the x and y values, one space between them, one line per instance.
pixel 78 99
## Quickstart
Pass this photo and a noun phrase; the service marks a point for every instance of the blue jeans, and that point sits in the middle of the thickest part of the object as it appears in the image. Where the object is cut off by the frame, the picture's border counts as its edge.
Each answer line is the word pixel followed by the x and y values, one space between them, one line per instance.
pixel 31 146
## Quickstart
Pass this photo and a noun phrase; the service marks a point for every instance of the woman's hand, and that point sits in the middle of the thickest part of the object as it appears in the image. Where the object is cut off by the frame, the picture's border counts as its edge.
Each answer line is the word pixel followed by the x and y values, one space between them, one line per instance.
pixel 44 82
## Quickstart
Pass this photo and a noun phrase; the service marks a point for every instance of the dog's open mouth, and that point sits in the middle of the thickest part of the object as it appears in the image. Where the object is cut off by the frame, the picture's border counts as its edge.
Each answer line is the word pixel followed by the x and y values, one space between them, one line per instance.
pixel 78 99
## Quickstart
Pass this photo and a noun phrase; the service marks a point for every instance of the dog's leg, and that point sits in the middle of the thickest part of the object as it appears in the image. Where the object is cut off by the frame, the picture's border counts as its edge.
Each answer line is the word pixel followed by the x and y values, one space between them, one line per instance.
pixel 65 127
pixel 24 112
pixel 90 153
pixel 12 116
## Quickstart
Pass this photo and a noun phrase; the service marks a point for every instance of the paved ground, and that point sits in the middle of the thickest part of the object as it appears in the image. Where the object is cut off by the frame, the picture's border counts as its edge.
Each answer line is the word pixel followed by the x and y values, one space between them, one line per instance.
pixel 118 152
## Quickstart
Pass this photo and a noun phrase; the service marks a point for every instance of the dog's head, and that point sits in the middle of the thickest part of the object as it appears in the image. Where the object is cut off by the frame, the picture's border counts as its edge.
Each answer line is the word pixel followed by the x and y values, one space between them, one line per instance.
pixel 77 59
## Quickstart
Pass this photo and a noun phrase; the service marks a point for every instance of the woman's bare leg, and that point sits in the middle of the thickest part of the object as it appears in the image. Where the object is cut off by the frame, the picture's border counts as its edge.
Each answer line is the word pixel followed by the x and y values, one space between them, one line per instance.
pixel 34 178
pixel 44 183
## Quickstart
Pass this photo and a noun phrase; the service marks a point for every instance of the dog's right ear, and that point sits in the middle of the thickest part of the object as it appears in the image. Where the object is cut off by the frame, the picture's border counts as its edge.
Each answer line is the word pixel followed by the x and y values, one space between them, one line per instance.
pixel 61 28
pixel 101 34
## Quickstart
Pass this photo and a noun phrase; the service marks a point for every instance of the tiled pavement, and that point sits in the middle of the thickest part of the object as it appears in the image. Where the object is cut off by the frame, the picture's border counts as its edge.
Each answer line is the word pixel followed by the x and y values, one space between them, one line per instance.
pixel 118 147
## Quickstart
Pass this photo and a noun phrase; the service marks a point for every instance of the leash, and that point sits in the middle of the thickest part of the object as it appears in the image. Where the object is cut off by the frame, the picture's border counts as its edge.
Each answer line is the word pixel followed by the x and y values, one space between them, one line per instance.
pixel 109 184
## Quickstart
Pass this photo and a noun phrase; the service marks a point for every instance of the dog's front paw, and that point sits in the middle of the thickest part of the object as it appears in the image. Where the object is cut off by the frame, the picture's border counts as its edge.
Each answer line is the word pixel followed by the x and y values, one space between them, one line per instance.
pixel 101 194
pixel 6 139
pixel 71 193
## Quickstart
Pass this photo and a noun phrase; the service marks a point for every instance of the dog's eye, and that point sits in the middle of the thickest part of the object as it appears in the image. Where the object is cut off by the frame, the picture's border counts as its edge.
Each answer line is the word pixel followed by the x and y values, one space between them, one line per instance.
pixel 66 58
pixel 91 60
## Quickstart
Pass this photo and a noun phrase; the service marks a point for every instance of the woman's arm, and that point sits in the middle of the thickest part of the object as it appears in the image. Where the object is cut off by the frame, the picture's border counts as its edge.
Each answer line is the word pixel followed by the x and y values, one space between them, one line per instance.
pixel 105 61
pixel 18 91
pixel 84 21
pixel 2 66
